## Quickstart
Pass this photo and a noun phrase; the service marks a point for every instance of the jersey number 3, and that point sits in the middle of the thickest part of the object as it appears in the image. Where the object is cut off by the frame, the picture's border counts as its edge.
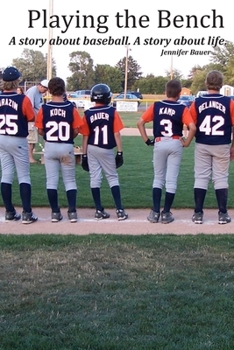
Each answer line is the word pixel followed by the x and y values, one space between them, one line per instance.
pixel 214 130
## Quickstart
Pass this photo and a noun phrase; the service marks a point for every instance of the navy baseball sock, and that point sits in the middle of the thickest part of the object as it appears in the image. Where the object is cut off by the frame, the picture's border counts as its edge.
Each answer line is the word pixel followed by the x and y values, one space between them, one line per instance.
pixel 115 190
pixel 6 190
pixel 199 197
pixel 97 198
pixel 157 194
pixel 53 200
pixel 222 195
pixel 169 198
pixel 71 199
pixel 25 194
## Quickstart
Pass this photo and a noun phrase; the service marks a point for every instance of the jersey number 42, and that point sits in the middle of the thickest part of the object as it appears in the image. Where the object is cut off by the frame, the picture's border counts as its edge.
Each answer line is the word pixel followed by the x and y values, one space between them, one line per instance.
pixel 215 129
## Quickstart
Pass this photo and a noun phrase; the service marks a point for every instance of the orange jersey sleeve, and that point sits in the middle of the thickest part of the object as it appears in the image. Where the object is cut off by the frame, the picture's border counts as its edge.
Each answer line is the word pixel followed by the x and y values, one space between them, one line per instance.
pixel 193 112
pixel 232 111
pixel 84 129
pixel 77 120
pixel 39 119
pixel 187 117
pixel 27 109
pixel 148 115
pixel 118 123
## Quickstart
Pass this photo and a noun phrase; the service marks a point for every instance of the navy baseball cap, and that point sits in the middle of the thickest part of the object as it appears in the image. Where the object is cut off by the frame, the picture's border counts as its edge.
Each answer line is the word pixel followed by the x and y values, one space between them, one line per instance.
pixel 10 74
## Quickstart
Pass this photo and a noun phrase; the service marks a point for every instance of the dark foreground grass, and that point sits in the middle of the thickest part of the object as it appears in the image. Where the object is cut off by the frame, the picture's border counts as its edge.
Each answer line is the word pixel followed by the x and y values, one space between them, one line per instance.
pixel 116 292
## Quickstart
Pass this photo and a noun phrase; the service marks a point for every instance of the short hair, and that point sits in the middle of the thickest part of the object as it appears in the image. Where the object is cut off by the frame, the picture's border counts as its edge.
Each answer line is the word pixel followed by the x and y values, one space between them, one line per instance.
pixel 9 85
pixel 214 80
pixel 56 86
pixel 173 88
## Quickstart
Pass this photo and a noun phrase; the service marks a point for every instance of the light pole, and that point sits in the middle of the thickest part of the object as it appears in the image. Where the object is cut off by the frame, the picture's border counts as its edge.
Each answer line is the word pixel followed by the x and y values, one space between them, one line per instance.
pixel 49 53
pixel 126 72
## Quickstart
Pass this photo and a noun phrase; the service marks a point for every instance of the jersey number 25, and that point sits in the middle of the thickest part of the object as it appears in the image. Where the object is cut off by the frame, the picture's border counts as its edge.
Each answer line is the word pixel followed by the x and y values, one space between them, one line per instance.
pixel 11 126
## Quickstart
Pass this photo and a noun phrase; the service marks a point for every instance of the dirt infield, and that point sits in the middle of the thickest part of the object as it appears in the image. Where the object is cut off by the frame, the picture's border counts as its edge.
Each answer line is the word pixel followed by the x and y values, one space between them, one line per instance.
pixel 137 224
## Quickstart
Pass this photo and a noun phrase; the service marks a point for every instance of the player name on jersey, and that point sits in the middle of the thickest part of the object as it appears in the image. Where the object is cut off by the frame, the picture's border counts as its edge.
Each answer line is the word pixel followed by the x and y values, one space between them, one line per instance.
pixel 9 102
pixel 214 104
pixel 97 116
pixel 58 111
pixel 167 110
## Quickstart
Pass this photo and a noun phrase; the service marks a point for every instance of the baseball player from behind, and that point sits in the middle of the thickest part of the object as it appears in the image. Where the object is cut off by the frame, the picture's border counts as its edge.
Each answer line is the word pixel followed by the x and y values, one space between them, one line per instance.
pixel 168 117
pixel 213 114
pixel 58 122
pixel 15 113
pixel 101 134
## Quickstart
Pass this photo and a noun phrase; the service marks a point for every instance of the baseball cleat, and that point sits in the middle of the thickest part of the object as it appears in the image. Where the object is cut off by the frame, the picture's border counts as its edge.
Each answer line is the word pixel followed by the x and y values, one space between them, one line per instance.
pixel 224 218
pixel 56 217
pixel 121 214
pixel 12 216
pixel 28 218
pixel 101 214
pixel 153 216
pixel 166 217
pixel 72 216
pixel 197 218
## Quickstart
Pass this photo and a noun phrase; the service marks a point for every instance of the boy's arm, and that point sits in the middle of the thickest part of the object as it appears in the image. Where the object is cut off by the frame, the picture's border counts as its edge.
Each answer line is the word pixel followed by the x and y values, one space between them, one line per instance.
pixel 141 128
pixel 84 144
pixel 118 141
pixel 192 130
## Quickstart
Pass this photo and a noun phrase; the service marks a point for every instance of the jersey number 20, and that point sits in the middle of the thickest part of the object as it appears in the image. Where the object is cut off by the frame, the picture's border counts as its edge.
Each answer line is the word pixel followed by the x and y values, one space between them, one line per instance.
pixel 58 131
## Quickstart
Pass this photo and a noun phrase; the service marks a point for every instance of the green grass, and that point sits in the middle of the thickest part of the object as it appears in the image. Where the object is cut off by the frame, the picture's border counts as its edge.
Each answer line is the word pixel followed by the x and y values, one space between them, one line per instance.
pixel 110 292
pixel 136 177
pixel 130 119
pixel 105 292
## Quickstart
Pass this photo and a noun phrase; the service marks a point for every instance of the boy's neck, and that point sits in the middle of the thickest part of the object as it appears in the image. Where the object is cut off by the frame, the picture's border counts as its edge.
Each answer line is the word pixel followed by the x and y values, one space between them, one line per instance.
pixel 172 99
pixel 57 98
pixel 213 92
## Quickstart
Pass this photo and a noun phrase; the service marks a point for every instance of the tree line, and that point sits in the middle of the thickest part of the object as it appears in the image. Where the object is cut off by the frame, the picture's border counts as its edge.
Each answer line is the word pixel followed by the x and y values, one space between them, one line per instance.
pixel 84 74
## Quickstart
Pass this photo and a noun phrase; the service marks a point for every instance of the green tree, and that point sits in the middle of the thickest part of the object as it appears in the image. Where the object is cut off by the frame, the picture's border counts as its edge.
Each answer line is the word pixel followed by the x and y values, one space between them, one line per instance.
pixel 222 54
pixel 81 66
pixel 151 84
pixel 33 65
pixel 229 72
pixel 186 83
pixel 193 71
pixel 174 74
pixel 198 74
pixel 133 71
pixel 109 75
pixel 199 81
pixel 222 60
